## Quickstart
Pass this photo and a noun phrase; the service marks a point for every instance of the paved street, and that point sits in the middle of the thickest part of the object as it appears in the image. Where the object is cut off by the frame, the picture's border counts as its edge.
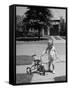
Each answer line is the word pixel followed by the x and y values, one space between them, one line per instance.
pixel 37 48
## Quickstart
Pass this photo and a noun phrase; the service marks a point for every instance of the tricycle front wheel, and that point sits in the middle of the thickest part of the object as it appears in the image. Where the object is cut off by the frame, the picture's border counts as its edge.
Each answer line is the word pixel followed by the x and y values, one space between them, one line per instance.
pixel 28 70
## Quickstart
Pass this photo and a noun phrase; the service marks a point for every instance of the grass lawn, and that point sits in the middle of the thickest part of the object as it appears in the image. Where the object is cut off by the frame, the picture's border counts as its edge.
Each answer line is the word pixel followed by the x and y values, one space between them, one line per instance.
pixel 23 78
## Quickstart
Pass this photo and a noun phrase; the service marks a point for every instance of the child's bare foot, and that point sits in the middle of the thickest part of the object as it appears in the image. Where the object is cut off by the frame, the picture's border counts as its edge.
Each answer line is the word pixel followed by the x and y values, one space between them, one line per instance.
pixel 53 71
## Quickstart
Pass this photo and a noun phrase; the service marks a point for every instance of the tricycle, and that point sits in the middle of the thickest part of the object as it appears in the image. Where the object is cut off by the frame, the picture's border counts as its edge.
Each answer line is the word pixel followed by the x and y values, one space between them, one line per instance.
pixel 37 65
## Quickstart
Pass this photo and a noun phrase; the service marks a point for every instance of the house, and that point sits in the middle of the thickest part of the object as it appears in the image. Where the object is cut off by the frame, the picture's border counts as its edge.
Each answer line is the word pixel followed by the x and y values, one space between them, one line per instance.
pixel 54 29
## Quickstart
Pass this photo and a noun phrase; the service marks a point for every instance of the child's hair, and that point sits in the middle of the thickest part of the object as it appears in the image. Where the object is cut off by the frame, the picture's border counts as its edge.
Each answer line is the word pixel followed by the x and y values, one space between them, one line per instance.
pixel 33 55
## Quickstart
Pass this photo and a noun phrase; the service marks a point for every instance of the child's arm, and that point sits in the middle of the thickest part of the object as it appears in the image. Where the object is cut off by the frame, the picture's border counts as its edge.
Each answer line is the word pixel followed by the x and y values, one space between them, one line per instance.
pixel 47 49
pixel 44 52
pixel 56 53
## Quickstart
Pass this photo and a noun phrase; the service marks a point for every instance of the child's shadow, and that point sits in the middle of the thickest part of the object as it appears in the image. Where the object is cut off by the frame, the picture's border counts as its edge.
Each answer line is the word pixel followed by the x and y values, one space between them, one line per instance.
pixel 48 71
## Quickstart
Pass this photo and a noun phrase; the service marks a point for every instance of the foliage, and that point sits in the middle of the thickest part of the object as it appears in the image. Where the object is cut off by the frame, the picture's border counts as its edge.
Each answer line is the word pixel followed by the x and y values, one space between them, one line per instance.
pixel 37 18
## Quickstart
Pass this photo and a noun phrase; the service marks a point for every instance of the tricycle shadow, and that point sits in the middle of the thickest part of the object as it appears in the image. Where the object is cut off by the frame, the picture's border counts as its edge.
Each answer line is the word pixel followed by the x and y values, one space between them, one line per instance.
pixel 23 78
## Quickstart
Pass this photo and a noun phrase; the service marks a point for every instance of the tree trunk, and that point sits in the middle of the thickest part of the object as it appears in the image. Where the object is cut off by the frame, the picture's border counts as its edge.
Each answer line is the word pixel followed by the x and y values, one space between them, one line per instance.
pixel 38 34
pixel 48 31
pixel 43 32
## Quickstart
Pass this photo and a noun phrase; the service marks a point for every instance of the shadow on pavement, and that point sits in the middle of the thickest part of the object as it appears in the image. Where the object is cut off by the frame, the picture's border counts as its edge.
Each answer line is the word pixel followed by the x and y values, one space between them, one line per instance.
pixel 23 78
pixel 60 78
pixel 24 60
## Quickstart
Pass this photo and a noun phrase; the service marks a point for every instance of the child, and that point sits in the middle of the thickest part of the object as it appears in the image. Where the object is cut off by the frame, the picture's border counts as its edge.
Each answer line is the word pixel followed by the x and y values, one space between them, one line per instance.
pixel 50 50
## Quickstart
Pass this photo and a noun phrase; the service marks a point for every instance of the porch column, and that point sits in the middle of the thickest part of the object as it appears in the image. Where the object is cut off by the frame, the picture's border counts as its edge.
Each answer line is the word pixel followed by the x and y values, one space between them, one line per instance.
pixel 59 29
pixel 48 31
pixel 43 32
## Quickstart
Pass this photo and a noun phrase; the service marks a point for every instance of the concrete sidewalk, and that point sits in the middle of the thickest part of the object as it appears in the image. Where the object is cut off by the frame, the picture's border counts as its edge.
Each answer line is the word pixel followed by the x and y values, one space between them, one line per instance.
pixel 37 48
pixel 60 70
pixel 60 40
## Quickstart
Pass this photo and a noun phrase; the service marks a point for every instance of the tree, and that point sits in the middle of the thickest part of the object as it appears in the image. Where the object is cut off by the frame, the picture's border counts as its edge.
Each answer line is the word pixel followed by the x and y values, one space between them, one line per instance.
pixel 62 27
pixel 37 17
pixel 20 27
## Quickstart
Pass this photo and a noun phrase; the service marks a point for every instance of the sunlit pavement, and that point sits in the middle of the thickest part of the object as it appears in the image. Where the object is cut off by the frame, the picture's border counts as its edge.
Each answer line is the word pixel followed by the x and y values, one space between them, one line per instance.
pixel 30 49
pixel 60 70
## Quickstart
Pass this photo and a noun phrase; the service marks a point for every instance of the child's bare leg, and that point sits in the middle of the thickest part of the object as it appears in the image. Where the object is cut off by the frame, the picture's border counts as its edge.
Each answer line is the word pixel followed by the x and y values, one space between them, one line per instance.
pixel 53 67
pixel 49 66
